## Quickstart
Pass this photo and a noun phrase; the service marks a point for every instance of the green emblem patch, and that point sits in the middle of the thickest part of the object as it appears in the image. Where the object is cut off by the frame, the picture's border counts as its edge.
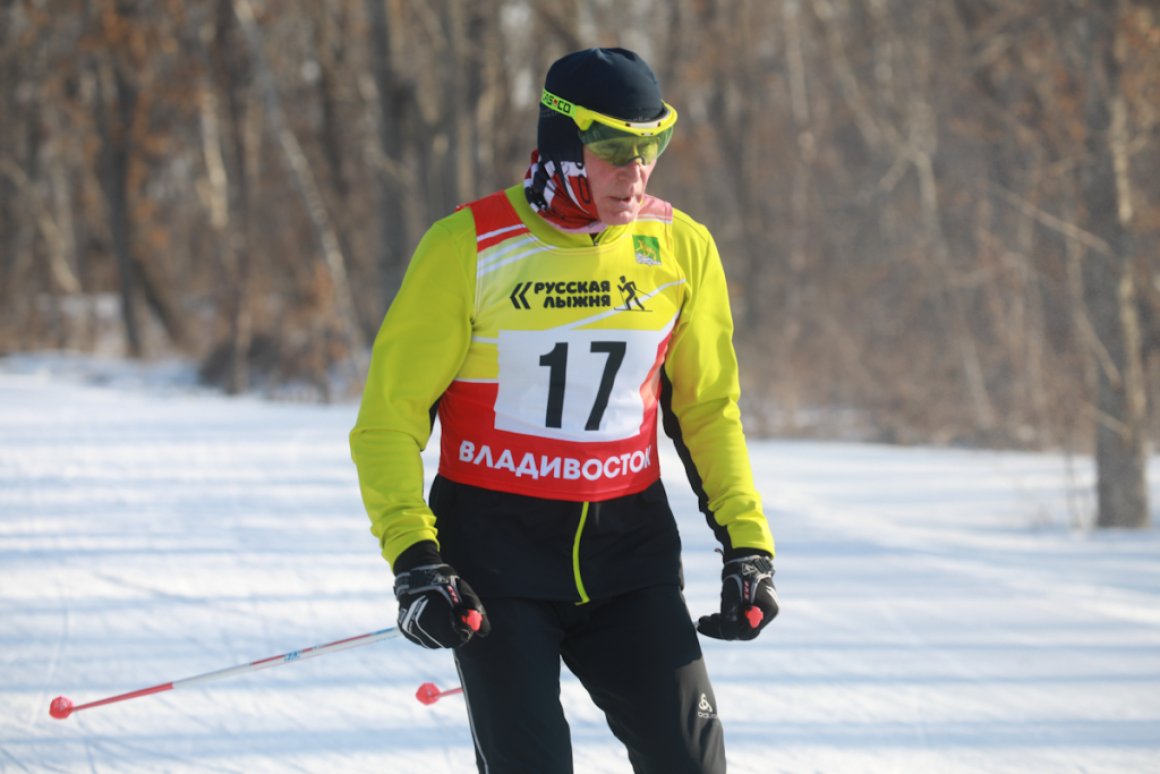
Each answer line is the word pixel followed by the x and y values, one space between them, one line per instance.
pixel 647 249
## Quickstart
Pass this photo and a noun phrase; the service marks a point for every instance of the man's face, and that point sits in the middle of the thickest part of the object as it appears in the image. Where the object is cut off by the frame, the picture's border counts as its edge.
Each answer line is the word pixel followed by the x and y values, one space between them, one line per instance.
pixel 618 192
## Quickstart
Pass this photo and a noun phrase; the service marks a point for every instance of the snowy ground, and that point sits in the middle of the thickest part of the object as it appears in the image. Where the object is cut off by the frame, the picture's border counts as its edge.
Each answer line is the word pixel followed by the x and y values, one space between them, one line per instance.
pixel 944 611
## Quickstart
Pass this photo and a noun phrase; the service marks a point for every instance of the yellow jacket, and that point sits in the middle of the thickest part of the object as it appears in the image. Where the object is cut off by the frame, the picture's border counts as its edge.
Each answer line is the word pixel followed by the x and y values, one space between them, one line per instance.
pixel 574 323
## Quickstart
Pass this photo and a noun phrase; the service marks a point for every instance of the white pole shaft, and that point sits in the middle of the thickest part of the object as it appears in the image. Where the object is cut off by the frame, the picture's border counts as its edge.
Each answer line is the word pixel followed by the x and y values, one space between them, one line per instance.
pixel 62 707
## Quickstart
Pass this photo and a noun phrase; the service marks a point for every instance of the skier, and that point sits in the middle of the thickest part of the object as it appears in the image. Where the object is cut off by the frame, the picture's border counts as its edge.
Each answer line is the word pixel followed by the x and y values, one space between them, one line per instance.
pixel 547 535
pixel 628 290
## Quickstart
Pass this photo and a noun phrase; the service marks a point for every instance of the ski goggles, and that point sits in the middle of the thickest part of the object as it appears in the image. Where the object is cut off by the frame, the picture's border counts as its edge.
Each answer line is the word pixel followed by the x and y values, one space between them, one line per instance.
pixel 616 140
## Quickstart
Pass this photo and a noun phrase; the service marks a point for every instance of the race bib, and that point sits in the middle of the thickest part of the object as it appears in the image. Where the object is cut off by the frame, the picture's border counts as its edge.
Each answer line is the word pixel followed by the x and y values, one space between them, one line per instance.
pixel 577 385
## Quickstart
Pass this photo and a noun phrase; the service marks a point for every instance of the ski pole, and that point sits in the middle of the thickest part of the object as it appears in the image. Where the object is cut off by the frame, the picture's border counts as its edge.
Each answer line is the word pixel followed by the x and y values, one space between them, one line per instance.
pixel 429 693
pixel 61 707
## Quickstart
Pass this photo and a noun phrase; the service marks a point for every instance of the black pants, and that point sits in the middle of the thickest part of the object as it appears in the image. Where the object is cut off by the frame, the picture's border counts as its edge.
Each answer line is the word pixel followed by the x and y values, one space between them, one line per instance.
pixel 638 656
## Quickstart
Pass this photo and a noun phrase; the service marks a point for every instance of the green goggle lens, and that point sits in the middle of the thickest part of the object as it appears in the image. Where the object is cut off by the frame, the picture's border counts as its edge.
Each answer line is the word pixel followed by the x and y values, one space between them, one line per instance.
pixel 620 148
pixel 616 140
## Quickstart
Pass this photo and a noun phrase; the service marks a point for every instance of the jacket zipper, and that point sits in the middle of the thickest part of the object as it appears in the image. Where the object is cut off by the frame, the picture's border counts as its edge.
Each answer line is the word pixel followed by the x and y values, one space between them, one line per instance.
pixel 576 555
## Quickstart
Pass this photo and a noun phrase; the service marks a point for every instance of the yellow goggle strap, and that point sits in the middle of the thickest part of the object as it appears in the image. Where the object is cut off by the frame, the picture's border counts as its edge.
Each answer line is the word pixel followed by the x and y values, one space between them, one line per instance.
pixel 585 117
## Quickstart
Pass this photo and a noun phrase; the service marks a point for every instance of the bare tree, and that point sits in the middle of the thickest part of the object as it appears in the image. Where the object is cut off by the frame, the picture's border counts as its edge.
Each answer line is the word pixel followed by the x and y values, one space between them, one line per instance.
pixel 332 258
pixel 1093 41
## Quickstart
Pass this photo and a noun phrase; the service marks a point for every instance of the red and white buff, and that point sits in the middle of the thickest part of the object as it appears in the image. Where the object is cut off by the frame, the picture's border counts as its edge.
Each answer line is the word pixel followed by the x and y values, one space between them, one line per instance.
pixel 575 210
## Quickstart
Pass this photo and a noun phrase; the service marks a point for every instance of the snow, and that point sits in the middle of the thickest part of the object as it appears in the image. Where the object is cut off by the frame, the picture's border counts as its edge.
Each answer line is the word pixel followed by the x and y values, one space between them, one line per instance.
pixel 944 610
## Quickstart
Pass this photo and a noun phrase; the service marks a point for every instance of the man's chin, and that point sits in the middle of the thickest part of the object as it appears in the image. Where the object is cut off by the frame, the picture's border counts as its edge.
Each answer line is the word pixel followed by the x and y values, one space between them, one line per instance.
pixel 620 215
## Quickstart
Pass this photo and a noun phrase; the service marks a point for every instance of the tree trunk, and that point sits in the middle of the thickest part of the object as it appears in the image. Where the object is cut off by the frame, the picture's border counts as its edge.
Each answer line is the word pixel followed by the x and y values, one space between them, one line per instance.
pixel 390 172
pixel 1109 279
pixel 114 130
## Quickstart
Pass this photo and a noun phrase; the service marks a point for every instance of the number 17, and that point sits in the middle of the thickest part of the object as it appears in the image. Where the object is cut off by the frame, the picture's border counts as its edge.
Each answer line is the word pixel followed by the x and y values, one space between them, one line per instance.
pixel 556 362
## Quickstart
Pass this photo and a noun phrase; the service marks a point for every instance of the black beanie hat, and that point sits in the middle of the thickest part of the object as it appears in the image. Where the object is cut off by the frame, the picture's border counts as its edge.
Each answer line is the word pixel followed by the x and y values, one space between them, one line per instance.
pixel 613 81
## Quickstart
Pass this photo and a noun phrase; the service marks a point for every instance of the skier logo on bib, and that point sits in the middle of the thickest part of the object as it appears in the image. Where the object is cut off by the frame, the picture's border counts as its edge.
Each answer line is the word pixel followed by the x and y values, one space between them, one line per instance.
pixel 628 292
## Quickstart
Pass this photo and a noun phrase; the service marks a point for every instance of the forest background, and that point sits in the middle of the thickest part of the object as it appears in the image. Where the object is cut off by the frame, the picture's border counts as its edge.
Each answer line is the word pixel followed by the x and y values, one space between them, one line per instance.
pixel 940 218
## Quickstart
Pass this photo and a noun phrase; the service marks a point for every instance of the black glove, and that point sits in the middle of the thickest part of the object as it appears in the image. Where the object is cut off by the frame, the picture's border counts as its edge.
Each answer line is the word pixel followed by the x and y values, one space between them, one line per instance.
pixel 748 600
pixel 437 609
